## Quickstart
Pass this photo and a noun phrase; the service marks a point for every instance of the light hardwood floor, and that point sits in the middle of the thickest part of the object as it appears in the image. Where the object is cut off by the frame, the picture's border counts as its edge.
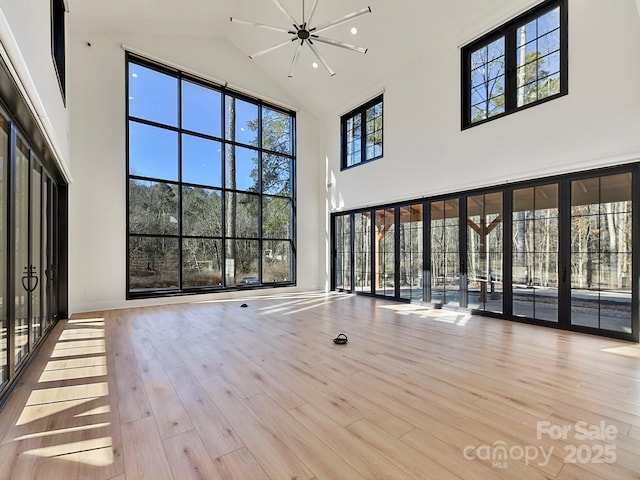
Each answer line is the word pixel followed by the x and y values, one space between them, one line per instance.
pixel 215 391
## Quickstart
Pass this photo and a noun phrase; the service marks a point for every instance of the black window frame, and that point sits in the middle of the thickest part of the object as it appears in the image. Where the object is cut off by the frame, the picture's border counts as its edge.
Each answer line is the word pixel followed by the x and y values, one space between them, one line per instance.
pixel 261 240
pixel 565 318
pixel 508 32
pixel 362 112
pixel 58 11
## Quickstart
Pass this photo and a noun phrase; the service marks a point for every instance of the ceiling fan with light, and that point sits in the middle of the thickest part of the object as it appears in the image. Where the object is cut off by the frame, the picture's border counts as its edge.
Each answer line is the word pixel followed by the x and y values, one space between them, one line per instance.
pixel 302 33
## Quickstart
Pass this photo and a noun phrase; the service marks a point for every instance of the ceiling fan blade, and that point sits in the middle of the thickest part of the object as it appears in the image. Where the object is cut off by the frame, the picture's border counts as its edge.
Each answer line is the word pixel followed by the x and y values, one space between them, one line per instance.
pixel 286 13
pixel 295 59
pixel 346 18
pixel 313 10
pixel 317 54
pixel 272 48
pixel 339 44
pixel 261 25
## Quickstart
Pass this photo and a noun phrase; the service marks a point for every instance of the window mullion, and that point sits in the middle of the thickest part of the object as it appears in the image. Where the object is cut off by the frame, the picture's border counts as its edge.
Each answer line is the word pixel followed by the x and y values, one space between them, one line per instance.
pixel 180 189
pixel 260 198
pixel 363 136
pixel 511 76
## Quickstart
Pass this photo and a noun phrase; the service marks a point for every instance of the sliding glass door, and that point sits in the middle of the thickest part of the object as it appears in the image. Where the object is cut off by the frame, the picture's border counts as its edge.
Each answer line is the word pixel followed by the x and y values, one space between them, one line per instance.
pixel 385 252
pixel 23 280
pixel 411 244
pixel 33 206
pixel 36 271
pixel 48 267
pixel 601 246
pixel 362 252
pixel 34 255
pixel 4 312
pixel 535 248
pixel 382 257
pixel 552 251
pixel 485 252
pixel 445 252
pixel 343 263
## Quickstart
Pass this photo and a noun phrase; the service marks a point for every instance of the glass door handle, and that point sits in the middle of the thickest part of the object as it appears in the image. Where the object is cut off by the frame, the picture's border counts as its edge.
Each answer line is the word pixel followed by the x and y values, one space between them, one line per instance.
pixel 29 273
pixel 50 273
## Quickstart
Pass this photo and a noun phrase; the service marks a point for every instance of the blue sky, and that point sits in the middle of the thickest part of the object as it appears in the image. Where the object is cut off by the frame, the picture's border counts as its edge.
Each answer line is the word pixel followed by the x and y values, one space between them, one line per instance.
pixel 153 151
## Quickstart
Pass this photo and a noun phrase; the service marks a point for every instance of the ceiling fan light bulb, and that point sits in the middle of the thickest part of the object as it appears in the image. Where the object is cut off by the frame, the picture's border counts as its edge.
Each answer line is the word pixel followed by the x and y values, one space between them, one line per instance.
pixel 303 33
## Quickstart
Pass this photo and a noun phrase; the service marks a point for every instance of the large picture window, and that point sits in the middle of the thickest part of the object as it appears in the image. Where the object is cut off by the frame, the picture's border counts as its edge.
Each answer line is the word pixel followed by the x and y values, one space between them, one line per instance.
pixel 210 186
pixel 520 64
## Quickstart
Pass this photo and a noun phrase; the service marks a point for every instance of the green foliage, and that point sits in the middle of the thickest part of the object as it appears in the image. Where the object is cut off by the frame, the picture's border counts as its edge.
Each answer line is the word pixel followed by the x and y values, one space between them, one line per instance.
pixel 276 137
pixel 161 209
pixel 494 104
pixel 153 207
pixel 534 82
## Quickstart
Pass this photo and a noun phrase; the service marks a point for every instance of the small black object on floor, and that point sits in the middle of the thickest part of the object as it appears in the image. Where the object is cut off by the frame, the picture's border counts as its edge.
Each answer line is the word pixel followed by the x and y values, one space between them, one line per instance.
pixel 340 339
pixel 244 305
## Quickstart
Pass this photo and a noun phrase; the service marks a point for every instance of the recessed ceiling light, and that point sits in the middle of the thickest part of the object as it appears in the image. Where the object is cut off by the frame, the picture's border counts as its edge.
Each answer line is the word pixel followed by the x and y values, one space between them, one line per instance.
pixel 314 65
pixel 354 30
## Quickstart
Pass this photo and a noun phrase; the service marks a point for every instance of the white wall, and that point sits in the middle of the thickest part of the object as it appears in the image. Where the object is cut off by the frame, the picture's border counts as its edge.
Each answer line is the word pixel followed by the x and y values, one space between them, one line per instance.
pixel 425 151
pixel 97 243
pixel 25 35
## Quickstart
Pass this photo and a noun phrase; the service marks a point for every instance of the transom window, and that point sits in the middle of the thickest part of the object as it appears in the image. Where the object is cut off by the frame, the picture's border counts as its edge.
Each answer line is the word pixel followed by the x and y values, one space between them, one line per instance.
pixel 362 134
pixel 520 64
pixel 210 186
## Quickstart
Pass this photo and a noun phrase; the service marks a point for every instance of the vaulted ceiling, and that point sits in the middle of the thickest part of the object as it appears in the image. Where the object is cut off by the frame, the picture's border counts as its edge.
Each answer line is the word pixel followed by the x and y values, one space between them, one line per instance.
pixel 400 36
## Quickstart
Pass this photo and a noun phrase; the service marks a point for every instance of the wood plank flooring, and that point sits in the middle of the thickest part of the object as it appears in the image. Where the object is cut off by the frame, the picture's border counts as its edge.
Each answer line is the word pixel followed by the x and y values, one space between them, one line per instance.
pixel 214 391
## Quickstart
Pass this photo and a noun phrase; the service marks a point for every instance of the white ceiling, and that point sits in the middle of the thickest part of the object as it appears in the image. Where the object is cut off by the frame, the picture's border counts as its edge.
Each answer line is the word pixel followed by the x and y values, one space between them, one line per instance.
pixel 210 19
pixel 399 35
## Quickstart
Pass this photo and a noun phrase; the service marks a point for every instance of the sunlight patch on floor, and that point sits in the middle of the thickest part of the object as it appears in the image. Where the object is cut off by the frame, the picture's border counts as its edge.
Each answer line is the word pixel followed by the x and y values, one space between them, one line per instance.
pixel 62 431
pixel 79 347
pixel 279 296
pixel 304 305
pixel 52 401
pixel 64 416
pixel 69 393
pixel 39 411
pixel 73 373
pixel 437 315
pixel 94 411
pixel 75 363
pixel 95 451
pixel 82 333
pixel 625 350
